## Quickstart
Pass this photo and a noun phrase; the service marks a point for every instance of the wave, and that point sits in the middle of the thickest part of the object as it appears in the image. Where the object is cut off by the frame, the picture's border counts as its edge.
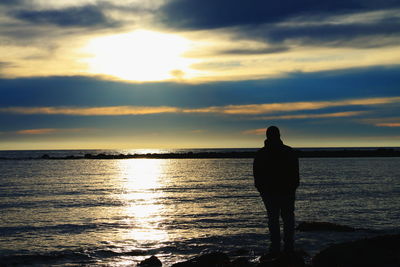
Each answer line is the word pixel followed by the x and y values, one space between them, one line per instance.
pixel 63 228
pixel 68 257
pixel 255 243
pixel 62 204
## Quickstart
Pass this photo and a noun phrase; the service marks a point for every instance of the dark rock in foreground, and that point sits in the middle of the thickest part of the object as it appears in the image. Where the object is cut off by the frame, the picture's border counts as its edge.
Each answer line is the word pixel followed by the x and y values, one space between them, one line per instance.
pixel 218 259
pixel 241 252
pixel 153 261
pixel 381 251
pixel 282 260
pixel 323 226
pixel 241 262
pixel 215 259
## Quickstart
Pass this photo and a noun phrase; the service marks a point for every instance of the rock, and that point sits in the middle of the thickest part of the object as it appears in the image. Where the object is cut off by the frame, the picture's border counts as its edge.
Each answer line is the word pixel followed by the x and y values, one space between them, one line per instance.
pixel 302 253
pixel 323 226
pixel 382 251
pixel 269 257
pixel 240 252
pixel 282 260
pixel 214 259
pixel 184 264
pixel 153 261
pixel 241 262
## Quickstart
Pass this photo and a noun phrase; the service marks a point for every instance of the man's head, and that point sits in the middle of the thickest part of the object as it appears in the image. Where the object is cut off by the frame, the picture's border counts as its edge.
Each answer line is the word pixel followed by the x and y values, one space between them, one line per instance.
pixel 273 133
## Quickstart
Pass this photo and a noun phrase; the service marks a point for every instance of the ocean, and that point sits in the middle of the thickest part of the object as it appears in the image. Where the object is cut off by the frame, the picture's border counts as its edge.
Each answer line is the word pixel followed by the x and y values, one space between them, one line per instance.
pixel 118 212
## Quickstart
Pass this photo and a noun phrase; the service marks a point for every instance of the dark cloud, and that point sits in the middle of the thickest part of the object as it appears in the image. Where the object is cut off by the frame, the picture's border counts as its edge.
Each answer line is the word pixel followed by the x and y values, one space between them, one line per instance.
pixel 311 22
pixel 352 35
pixel 4 65
pixel 240 50
pixel 216 65
pixel 253 51
pixel 11 2
pixel 131 8
pixel 212 14
pixel 84 16
pixel 25 35
pixel 294 87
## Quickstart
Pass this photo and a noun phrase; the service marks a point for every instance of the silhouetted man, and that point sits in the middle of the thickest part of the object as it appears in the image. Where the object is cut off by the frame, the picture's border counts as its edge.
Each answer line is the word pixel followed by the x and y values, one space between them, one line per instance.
pixel 276 177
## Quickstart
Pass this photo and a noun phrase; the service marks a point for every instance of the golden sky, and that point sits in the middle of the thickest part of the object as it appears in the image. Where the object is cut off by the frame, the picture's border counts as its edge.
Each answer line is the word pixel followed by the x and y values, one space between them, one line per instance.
pixel 180 73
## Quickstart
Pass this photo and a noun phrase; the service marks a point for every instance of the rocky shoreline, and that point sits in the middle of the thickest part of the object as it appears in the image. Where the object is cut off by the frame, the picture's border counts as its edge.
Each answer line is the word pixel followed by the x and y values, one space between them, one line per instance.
pixel 379 251
pixel 340 153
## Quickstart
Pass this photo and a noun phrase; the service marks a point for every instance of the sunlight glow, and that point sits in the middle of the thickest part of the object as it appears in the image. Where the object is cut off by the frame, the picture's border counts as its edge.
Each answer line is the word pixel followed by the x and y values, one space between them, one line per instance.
pixel 141 175
pixel 143 209
pixel 139 56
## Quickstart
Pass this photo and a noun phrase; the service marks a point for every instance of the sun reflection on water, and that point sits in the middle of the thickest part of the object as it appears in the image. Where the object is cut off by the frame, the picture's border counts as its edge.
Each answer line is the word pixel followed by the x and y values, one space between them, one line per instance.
pixel 144 210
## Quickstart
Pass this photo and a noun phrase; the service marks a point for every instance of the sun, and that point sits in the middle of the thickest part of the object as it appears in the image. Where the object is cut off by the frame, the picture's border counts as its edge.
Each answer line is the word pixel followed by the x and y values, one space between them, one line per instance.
pixel 140 56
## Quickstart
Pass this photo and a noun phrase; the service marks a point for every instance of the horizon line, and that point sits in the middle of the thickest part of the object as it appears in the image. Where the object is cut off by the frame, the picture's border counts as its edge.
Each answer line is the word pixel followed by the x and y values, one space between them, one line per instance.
pixel 195 148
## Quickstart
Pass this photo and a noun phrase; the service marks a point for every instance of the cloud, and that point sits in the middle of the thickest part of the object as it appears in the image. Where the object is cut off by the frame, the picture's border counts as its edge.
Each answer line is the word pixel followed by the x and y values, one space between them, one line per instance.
pixel 197 131
pixel 254 51
pixel 78 90
pixel 212 14
pixel 91 111
pixel 255 132
pixel 82 16
pixel 4 64
pixel 357 24
pixel 11 2
pixel 329 33
pixel 258 109
pixel 314 116
pixel 287 36
pixel 47 131
pixel 383 121
pixel 388 124
pixel 252 109
pixel 239 50
pixel 178 73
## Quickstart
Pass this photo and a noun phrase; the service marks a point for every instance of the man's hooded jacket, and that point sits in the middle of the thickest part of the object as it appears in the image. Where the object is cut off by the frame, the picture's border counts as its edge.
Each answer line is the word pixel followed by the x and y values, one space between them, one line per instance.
pixel 276 168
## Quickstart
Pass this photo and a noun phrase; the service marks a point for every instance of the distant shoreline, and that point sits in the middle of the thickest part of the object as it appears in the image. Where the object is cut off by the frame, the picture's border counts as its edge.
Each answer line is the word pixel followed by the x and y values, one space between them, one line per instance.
pixel 318 153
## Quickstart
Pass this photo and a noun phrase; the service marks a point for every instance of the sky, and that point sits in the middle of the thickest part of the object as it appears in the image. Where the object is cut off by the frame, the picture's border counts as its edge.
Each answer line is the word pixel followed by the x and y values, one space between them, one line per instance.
pixel 130 74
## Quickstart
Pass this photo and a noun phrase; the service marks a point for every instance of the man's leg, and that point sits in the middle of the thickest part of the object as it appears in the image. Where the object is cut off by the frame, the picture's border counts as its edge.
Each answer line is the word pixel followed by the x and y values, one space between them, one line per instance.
pixel 287 213
pixel 272 206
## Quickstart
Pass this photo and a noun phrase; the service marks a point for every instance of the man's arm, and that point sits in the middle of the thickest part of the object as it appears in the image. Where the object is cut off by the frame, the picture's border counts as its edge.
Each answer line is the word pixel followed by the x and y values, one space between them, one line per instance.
pixel 295 170
pixel 256 171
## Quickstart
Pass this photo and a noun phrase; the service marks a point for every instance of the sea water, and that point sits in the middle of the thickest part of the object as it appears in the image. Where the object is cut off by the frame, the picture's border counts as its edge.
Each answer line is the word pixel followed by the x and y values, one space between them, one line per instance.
pixel 118 212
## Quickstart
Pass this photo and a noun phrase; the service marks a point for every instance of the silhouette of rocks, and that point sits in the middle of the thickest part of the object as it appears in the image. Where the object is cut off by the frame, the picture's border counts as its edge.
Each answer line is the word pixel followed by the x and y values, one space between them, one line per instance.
pixel 240 252
pixel 240 262
pixel 282 260
pixel 323 226
pixel 340 153
pixel 153 261
pixel 380 251
pixel 214 259
pixel 379 152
